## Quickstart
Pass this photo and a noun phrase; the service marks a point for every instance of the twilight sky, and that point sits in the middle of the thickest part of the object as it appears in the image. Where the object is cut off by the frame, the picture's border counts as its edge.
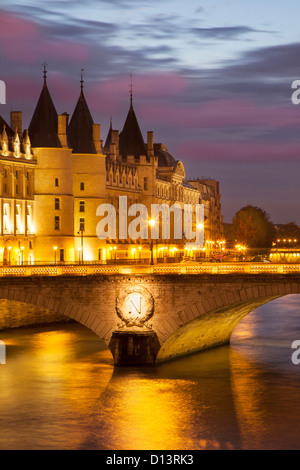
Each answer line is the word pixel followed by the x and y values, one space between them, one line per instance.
pixel 211 78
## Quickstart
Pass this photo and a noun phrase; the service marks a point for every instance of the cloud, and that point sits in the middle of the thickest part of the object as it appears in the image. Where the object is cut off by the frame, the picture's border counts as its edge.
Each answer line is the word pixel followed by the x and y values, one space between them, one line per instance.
pixel 22 40
pixel 225 33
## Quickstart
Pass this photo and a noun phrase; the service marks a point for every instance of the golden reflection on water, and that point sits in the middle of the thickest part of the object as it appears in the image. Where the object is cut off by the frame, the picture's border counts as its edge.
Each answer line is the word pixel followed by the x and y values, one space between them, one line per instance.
pixel 48 386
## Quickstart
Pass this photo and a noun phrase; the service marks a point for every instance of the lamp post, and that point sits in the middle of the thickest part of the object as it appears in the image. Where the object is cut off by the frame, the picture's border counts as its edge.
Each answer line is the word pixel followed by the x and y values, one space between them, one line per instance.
pixel 81 246
pixel 55 250
pixel 151 224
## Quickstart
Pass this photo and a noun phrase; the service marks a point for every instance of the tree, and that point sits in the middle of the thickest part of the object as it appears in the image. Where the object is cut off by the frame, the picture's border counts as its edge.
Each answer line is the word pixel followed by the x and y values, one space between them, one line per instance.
pixel 252 227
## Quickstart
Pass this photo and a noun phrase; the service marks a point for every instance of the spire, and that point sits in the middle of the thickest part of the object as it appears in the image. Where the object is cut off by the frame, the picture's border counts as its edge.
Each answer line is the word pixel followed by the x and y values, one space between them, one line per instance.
pixel 3 124
pixel 81 80
pixel 131 90
pixel 45 74
pixel 131 140
pixel 80 129
pixel 43 127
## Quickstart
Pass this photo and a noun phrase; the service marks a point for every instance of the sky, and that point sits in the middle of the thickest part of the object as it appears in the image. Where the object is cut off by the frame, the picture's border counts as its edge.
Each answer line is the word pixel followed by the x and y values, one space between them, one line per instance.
pixel 211 78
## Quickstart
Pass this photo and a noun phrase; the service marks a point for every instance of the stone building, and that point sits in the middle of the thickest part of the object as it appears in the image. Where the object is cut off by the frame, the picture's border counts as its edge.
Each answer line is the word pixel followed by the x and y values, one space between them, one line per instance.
pixel 55 175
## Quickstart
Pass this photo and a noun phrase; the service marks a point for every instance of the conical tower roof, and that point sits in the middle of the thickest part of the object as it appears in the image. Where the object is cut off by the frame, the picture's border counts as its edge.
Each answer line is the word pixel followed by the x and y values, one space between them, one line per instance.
pixel 131 141
pixel 80 129
pixel 43 129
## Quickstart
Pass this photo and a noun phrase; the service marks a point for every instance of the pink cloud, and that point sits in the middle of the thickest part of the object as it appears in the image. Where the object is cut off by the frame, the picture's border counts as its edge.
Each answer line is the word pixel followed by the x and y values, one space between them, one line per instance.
pixel 238 151
pixel 109 95
pixel 144 86
pixel 22 40
pixel 222 114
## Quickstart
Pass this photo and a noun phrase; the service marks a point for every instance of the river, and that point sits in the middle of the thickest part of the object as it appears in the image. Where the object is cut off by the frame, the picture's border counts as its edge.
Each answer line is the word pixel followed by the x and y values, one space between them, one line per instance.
pixel 60 390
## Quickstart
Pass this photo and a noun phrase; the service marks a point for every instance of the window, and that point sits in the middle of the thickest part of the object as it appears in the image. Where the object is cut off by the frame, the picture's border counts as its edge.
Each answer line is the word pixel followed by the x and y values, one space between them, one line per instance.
pixel 18 217
pixel 145 184
pixel 81 225
pixel 62 255
pixel 81 206
pixel 57 204
pixel 57 223
pixel 56 182
pixel 81 186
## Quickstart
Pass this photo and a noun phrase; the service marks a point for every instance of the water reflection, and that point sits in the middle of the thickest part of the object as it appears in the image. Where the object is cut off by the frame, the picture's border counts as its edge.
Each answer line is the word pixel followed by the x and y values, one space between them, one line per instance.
pixel 59 390
pixel 182 405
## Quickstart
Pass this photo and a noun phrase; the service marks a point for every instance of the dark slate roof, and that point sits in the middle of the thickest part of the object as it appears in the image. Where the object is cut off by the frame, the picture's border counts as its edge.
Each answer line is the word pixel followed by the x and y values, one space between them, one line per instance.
pixel 9 131
pixel 165 159
pixel 80 129
pixel 186 184
pixel 131 141
pixel 44 123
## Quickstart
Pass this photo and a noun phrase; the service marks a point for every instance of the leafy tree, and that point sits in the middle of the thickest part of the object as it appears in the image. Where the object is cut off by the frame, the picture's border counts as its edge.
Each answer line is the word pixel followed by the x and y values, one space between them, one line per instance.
pixel 252 227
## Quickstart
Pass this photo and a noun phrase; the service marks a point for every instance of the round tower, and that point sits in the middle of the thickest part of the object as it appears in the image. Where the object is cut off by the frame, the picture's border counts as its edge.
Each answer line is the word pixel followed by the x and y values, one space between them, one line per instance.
pixel 54 201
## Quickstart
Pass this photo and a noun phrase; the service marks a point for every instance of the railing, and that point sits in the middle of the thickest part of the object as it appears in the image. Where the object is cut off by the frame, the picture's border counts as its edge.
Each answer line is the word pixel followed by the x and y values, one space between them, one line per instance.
pixel 157 269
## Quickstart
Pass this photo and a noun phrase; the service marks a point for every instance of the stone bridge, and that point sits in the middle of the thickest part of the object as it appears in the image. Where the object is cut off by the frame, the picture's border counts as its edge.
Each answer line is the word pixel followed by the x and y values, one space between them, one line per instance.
pixel 185 312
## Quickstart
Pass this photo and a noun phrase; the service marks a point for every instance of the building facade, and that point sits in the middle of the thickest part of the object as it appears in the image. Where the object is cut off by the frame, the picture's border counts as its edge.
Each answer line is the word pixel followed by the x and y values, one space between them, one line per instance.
pixel 56 174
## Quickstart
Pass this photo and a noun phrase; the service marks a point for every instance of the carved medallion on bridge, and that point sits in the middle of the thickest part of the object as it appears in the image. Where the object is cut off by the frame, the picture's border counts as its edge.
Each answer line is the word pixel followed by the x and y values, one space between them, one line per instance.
pixel 135 306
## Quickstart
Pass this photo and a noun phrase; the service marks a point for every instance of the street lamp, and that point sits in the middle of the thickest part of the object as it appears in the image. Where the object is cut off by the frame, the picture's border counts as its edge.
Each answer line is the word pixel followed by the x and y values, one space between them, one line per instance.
pixel 55 250
pixel 151 223
pixel 81 247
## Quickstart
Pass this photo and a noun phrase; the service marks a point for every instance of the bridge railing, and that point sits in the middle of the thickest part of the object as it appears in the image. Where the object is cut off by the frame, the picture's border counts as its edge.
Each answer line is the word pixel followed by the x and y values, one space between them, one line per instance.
pixel 176 269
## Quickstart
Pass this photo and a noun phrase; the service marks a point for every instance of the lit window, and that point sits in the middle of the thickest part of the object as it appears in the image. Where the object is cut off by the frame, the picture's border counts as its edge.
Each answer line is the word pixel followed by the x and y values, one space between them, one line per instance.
pixel 57 223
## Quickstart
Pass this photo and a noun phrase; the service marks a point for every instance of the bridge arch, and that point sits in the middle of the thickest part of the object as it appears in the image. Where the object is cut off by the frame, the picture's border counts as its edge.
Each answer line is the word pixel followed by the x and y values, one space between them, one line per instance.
pixel 61 307
pixel 210 323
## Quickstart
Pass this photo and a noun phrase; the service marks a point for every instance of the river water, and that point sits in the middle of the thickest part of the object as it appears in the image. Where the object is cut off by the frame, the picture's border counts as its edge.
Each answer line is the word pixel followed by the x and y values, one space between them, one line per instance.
pixel 60 390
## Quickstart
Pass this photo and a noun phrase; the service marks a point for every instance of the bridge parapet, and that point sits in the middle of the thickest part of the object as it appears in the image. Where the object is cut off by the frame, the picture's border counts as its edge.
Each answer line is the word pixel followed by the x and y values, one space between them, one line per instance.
pixel 205 268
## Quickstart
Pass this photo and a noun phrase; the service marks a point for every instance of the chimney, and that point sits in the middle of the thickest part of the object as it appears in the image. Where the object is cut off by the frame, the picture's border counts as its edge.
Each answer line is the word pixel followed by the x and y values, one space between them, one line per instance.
pixel 96 137
pixel 16 121
pixel 62 129
pixel 115 140
pixel 113 152
pixel 150 147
